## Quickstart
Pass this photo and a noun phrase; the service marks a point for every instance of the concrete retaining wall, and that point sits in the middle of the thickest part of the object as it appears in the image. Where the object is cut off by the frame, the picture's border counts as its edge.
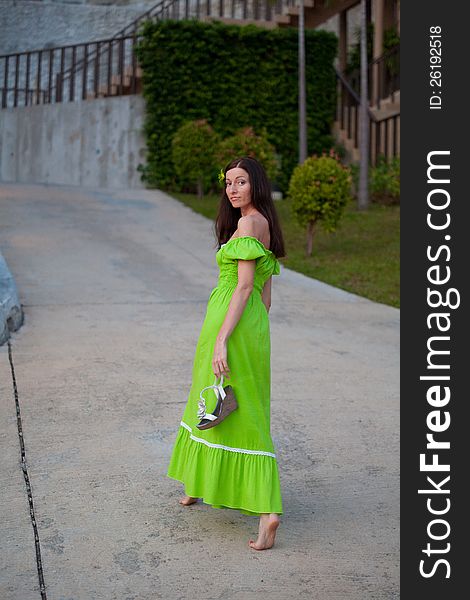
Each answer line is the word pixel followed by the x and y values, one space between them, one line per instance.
pixel 96 143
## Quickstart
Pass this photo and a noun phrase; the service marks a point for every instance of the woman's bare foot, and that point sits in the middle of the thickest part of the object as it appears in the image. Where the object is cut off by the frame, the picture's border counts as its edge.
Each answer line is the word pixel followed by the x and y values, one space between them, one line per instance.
pixel 268 524
pixel 187 500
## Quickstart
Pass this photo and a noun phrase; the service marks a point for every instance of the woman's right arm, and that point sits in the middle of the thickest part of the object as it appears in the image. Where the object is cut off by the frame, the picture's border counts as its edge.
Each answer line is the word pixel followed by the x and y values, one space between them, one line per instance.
pixel 266 294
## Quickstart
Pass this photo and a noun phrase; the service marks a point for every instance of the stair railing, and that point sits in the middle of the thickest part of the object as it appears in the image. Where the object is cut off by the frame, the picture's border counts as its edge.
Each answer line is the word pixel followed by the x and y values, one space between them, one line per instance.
pixel 76 71
pixel 108 68
pixel 383 133
pixel 159 11
pixel 255 10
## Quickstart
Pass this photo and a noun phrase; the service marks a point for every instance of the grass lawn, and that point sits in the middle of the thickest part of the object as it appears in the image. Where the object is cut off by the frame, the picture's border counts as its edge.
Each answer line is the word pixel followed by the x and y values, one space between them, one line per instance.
pixel 362 256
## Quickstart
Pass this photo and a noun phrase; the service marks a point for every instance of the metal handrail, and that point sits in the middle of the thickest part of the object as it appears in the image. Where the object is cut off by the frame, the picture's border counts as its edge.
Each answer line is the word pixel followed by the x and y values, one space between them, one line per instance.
pixel 43 72
pixel 379 128
pixel 352 92
pixel 155 11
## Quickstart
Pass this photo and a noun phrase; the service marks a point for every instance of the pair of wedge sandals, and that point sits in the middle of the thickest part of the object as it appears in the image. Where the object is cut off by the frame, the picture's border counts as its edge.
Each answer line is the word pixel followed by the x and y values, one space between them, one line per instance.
pixel 226 404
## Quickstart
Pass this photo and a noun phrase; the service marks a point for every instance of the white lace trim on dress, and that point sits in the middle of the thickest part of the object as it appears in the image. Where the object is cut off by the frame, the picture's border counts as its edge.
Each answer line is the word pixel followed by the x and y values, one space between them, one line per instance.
pixel 229 448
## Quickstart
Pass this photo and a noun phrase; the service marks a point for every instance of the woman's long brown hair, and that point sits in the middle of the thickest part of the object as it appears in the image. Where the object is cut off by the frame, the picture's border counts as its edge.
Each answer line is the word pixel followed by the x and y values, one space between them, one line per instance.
pixel 227 218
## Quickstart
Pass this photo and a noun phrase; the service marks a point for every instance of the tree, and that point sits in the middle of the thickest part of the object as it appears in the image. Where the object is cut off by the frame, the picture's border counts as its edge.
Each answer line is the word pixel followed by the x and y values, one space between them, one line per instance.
pixel 194 147
pixel 319 190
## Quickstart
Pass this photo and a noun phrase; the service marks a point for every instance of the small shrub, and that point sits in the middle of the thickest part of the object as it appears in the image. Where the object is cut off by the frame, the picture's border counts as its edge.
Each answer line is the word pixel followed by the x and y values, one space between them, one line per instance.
pixel 319 190
pixel 194 147
pixel 384 181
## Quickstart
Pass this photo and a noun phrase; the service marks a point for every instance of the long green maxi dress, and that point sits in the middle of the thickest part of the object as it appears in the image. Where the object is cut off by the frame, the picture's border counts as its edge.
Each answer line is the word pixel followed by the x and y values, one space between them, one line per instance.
pixel 233 465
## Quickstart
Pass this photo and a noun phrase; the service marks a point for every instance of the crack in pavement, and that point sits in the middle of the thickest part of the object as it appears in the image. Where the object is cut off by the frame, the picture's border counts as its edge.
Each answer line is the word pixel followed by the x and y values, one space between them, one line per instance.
pixel 24 467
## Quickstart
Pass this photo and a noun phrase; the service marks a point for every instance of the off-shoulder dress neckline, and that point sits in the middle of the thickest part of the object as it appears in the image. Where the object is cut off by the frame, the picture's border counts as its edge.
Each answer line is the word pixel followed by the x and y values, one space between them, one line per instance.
pixel 239 237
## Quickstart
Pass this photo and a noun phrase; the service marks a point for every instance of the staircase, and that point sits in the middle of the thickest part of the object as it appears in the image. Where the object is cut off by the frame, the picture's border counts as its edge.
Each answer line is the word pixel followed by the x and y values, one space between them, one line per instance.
pixel 108 67
pixel 384 109
pixel 384 126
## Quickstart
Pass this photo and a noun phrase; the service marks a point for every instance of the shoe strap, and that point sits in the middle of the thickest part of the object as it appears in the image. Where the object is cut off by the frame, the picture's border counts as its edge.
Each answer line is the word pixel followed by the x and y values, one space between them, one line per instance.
pixel 210 417
pixel 218 390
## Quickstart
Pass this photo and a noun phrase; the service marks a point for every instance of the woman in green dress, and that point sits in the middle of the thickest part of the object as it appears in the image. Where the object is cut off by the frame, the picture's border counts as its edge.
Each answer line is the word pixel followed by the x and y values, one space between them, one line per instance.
pixel 233 464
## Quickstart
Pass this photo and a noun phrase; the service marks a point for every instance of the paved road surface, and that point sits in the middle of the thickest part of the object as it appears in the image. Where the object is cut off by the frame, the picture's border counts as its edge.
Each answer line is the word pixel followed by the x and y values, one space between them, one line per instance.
pixel 114 287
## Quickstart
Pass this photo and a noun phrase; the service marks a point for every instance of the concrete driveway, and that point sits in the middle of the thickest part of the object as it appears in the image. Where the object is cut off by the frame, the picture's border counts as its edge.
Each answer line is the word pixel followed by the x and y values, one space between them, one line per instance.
pixel 114 286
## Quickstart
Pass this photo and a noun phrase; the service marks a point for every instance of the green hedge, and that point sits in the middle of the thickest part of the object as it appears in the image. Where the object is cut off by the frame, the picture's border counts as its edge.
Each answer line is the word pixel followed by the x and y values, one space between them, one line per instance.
pixel 233 76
